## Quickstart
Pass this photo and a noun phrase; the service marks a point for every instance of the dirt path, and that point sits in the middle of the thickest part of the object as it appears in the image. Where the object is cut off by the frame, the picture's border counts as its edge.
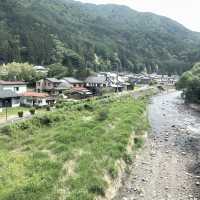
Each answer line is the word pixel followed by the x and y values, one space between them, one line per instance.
pixel 168 167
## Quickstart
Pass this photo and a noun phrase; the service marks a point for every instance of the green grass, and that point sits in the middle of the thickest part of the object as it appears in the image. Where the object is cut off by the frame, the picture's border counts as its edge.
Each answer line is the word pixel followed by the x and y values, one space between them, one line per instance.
pixel 66 154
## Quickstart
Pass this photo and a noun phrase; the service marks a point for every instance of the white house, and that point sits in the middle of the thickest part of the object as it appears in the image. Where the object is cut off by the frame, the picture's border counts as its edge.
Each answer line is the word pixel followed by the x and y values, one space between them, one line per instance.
pixel 36 99
pixel 15 86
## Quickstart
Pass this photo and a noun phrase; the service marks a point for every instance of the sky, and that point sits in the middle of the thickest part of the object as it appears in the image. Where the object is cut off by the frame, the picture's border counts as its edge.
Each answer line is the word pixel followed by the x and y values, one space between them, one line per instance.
pixel 187 12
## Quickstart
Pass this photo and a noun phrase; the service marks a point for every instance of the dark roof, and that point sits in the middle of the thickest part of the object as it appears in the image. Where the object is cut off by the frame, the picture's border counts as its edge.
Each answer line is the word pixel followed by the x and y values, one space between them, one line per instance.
pixel 96 79
pixel 72 80
pixel 12 82
pixel 8 94
pixel 54 80
pixel 64 86
pixel 81 90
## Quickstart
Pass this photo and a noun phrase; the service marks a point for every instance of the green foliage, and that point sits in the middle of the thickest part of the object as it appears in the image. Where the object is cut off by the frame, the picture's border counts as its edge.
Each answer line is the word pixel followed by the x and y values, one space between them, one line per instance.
pixel 67 153
pixel 48 108
pixel 190 84
pixel 138 141
pixel 102 115
pixel 113 172
pixel 127 158
pixel 32 111
pixel 6 130
pixel 82 36
pixel 19 71
pixel 89 107
pixel 20 113
pixel 58 70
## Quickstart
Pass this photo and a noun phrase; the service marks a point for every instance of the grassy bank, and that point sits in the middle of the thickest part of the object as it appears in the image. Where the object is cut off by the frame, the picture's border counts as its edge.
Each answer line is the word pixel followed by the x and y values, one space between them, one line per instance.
pixel 67 154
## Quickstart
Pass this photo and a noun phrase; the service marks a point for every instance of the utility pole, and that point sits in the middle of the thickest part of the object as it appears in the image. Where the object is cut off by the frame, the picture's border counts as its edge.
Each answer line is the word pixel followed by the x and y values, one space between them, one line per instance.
pixel 6 110
pixel 117 78
pixel 116 57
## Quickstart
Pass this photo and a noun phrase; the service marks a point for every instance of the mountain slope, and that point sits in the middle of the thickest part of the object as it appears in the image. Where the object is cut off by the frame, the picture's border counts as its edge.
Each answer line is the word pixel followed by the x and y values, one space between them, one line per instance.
pixel 98 37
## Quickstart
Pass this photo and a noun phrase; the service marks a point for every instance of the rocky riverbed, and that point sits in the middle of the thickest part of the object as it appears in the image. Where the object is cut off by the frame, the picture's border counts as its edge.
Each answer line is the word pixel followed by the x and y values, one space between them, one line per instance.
pixel 168 167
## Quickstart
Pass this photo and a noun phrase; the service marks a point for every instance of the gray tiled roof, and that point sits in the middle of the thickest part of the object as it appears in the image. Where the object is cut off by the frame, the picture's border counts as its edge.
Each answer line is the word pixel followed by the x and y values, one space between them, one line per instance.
pixel 55 80
pixel 8 94
pixel 72 80
pixel 96 79
pixel 64 85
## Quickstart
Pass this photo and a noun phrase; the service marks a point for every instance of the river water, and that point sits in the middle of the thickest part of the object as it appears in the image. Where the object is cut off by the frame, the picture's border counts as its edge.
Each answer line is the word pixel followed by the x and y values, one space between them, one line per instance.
pixel 168 167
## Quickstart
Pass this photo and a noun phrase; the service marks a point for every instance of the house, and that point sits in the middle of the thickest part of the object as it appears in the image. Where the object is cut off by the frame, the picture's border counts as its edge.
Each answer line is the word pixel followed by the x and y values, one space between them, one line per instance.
pixel 48 85
pixel 15 86
pixel 36 99
pixel 96 81
pixel 107 80
pixel 80 93
pixel 74 82
pixel 9 98
pixel 96 84
pixel 53 86
pixel 63 87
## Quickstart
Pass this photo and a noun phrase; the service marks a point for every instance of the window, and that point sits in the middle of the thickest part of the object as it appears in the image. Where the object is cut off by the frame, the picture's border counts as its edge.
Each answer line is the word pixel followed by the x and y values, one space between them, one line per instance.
pixel 16 89
pixel 39 101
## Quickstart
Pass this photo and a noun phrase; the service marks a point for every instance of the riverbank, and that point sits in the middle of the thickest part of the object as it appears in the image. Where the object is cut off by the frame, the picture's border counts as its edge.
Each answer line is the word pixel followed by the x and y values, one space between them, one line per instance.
pixel 168 165
pixel 72 153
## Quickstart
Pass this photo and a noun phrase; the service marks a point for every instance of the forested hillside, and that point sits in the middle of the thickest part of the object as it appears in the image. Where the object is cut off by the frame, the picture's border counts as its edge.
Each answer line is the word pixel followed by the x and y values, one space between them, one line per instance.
pixel 81 36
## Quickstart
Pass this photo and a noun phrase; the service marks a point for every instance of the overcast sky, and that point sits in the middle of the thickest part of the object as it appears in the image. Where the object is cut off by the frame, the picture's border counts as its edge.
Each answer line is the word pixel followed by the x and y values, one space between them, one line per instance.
pixel 186 12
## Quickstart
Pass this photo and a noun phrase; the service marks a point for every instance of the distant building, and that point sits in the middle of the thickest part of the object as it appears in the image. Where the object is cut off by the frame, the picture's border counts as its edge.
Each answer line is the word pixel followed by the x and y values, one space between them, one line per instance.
pixel 36 99
pixel 15 86
pixel 96 81
pixel 74 82
pixel 63 87
pixel 108 80
pixel 48 85
pixel 80 93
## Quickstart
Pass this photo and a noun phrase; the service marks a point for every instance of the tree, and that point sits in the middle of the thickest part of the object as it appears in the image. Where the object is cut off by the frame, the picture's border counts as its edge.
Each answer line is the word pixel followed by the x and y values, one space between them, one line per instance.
pixel 20 72
pixel 190 84
pixel 58 70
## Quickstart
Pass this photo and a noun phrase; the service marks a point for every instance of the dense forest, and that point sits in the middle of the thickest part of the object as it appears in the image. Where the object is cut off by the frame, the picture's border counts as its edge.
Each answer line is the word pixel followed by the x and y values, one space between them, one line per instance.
pixel 85 36
pixel 190 84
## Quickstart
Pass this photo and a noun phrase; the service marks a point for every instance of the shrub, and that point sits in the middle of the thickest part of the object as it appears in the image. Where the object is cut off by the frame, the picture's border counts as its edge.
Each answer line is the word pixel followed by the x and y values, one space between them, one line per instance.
pixel 79 107
pixel 103 115
pixel 59 105
pixel 97 187
pixel 138 142
pixel 127 158
pixel 48 108
pixel 20 114
pixel 44 120
pixel 88 107
pixel 80 194
pixel 113 172
pixel 32 111
pixel 6 130
pixel 23 125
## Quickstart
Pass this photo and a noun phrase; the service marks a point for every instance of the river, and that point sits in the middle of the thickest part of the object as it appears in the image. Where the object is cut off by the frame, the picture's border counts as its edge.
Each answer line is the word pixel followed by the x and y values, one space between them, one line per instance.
pixel 168 167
